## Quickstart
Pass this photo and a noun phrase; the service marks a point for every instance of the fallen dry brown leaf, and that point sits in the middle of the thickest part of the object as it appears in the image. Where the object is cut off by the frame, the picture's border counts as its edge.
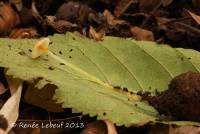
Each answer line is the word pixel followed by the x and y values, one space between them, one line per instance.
pixel 111 20
pixel 194 16
pixel 142 34
pixel 150 5
pixel 24 33
pixel 122 6
pixel 184 130
pixel 8 18
pixel 10 109
pixel 2 88
pixel 166 2
pixel 98 36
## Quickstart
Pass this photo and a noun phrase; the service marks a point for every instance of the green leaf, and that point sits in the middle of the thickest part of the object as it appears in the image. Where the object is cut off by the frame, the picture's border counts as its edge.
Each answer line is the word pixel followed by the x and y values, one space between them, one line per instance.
pixel 86 72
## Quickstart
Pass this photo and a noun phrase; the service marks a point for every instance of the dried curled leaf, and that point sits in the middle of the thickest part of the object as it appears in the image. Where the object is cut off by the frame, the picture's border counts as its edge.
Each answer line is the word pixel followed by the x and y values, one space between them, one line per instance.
pixel 194 16
pixel 9 111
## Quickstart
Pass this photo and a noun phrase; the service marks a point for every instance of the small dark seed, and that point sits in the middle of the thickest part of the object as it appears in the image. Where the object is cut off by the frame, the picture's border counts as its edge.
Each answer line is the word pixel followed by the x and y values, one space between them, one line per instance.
pixel 60 52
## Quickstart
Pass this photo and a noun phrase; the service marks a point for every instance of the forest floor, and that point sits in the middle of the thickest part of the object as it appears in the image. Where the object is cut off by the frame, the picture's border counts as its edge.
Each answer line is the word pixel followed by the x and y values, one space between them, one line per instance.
pixel 176 23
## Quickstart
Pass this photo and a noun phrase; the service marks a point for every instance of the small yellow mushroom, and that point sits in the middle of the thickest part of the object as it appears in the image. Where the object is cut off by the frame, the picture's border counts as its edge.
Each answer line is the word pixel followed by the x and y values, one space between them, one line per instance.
pixel 40 47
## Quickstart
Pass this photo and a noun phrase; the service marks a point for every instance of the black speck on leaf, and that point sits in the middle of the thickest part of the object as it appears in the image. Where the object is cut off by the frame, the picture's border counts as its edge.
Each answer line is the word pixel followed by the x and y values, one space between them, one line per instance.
pixel 3 122
pixel 62 64
pixel 104 113
pixel 48 81
pixel 74 38
pixel 189 58
pixel 54 53
pixel 125 89
pixel 60 52
pixel 70 57
pixel 22 53
pixel 70 50
pixel 136 105
pixel 45 59
pixel 51 68
pixel 117 87
pixel 157 92
pixel 182 58
pixel 30 50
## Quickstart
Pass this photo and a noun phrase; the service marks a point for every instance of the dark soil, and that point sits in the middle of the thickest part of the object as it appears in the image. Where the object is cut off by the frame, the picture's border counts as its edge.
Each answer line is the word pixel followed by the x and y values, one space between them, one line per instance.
pixel 182 99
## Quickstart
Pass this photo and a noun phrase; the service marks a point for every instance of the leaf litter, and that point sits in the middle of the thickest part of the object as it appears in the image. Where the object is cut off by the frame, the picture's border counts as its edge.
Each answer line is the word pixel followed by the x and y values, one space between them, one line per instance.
pixel 154 19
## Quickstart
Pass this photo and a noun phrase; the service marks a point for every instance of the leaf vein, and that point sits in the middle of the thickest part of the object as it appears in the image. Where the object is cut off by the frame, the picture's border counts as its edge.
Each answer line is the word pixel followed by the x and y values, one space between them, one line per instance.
pixel 188 60
pixel 98 68
pixel 127 69
pixel 155 59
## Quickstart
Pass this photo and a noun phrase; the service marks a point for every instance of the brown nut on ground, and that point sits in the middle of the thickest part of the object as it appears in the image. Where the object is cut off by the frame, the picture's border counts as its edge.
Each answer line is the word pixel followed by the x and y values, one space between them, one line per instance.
pixel 8 18
pixel 182 99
